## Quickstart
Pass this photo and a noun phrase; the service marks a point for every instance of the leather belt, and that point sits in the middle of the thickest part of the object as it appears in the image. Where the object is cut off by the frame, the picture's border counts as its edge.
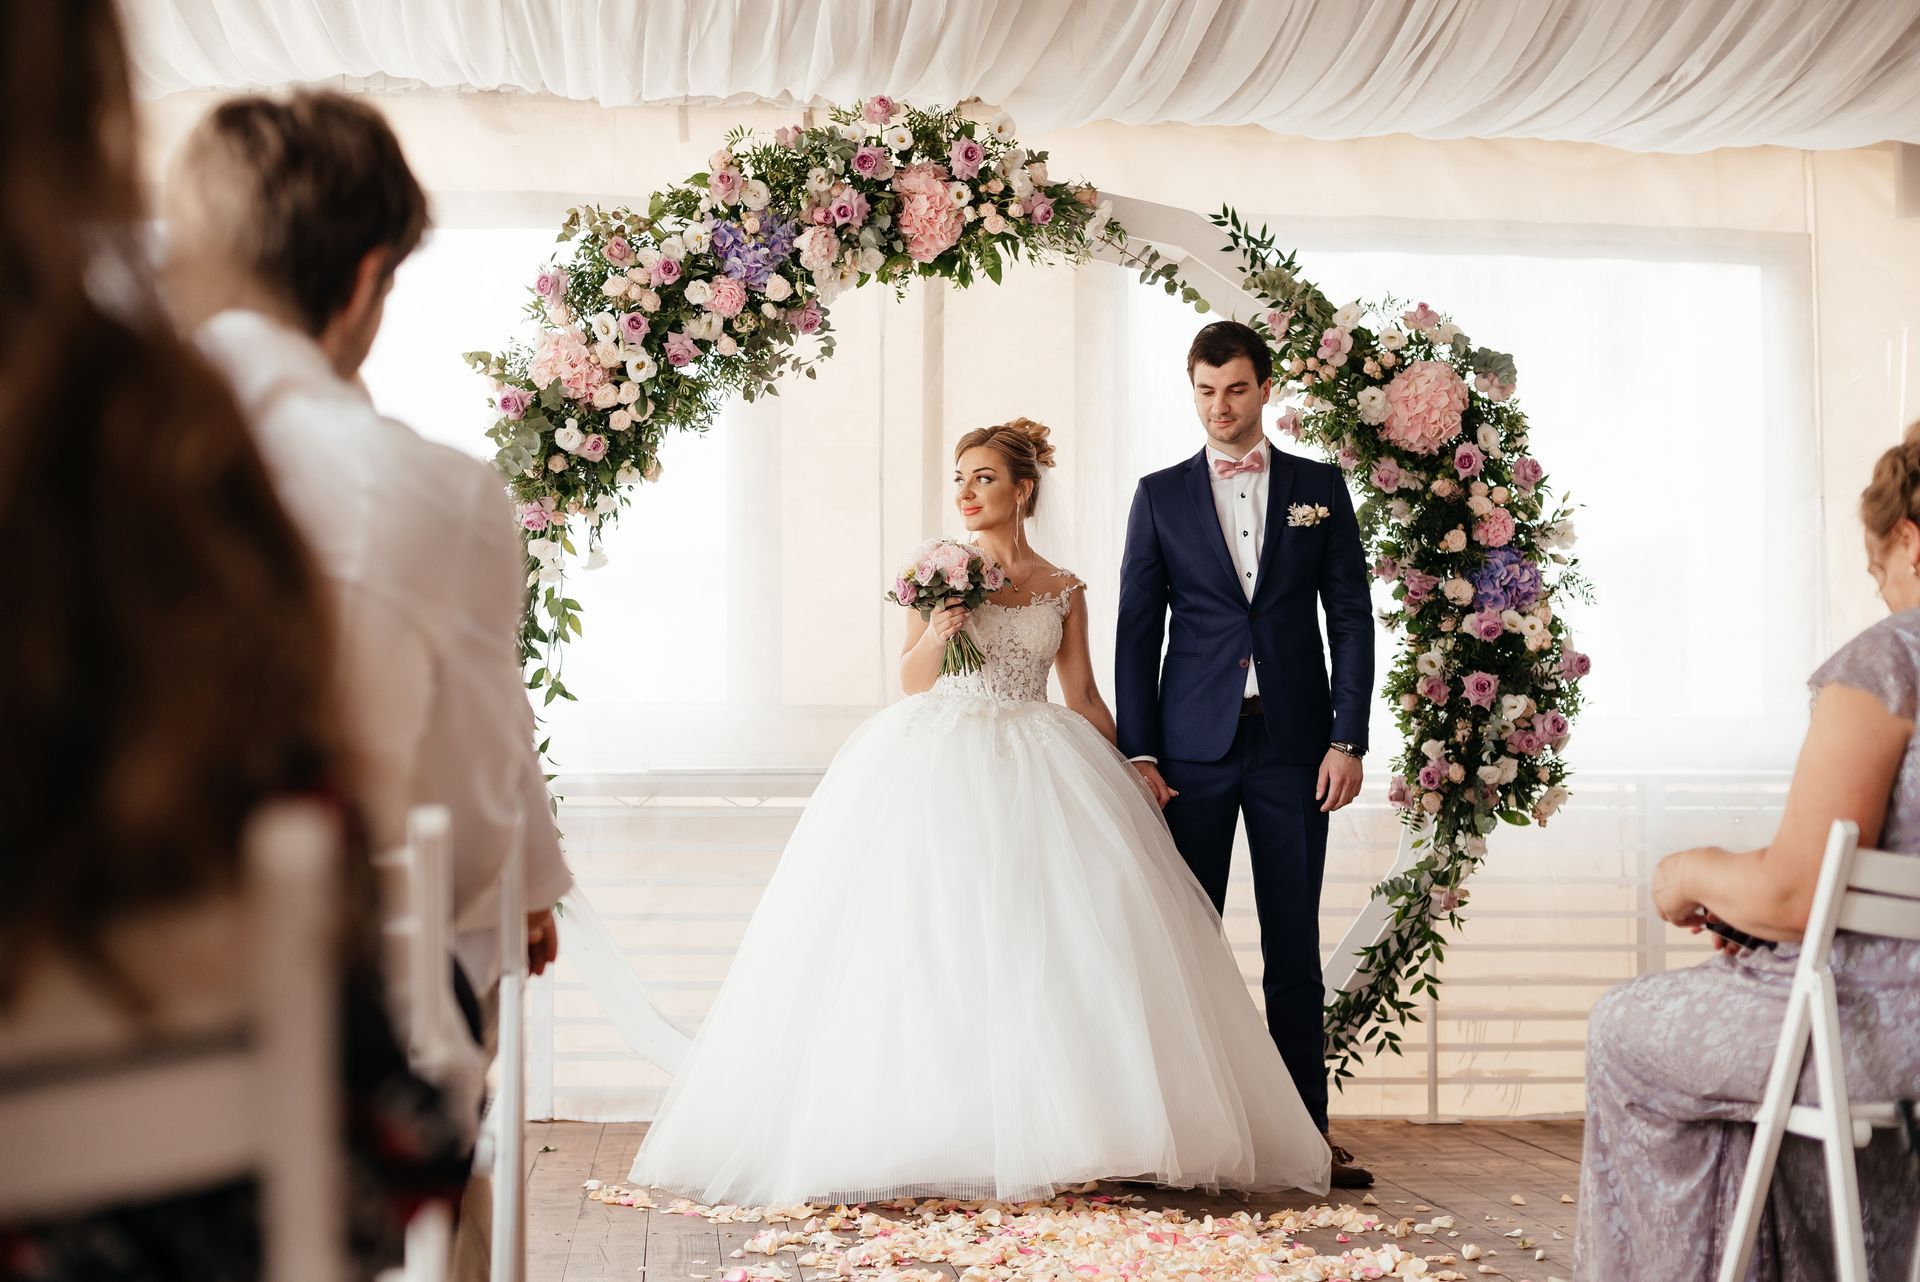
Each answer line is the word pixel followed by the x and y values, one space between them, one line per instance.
pixel 1250 706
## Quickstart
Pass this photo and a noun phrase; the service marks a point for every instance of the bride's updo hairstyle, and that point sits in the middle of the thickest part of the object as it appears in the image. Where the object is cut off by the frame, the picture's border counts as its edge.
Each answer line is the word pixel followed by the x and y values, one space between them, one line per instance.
pixel 1893 495
pixel 1023 444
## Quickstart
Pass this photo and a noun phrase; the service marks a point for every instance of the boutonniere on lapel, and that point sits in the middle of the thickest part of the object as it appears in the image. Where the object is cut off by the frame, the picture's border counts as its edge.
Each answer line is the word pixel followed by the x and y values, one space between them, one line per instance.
pixel 1307 514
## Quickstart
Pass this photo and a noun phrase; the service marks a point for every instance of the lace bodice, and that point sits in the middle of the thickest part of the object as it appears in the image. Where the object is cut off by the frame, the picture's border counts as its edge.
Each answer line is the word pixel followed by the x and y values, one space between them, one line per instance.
pixel 1020 642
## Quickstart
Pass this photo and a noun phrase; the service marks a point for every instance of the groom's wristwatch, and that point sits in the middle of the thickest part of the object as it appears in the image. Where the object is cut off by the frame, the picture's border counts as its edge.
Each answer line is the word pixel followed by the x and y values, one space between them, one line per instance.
pixel 1348 749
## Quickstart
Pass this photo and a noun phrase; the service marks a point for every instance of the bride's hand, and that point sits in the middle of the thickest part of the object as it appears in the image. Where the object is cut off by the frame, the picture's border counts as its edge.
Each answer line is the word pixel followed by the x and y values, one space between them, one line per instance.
pixel 946 621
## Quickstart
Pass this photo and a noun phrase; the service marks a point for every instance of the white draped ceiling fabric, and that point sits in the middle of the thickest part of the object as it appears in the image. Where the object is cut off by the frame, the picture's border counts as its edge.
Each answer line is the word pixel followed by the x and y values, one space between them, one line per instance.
pixel 1646 75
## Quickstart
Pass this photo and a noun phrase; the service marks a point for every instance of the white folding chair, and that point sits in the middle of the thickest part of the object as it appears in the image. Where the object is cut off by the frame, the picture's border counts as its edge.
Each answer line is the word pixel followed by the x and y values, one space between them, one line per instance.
pixel 507 1117
pixel 1868 892
pixel 417 915
pixel 123 1116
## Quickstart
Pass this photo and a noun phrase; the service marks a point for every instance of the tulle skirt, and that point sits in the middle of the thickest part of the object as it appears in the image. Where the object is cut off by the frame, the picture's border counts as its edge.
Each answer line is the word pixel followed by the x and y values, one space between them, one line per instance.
pixel 981 970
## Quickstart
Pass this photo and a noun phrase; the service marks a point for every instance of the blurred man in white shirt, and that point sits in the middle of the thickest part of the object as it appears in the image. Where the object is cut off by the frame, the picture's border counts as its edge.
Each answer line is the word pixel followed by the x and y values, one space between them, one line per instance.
pixel 286 220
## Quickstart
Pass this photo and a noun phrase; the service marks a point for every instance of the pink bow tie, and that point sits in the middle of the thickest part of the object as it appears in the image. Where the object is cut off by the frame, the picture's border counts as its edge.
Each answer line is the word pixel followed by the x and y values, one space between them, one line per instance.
pixel 1254 462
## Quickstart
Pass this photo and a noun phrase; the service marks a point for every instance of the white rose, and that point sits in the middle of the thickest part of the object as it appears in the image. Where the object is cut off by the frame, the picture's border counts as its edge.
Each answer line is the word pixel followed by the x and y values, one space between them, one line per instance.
pixel 606 396
pixel 779 289
pixel 756 195
pixel 1489 439
pixel 1444 333
pixel 769 311
pixel 1501 494
pixel 818 181
pixel 543 549
pixel 897 138
pixel 1434 749
pixel 1550 802
pixel 1373 405
pixel 1454 541
pixel 608 354
pixel 648 300
pixel 1489 774
pixel 557 463
pixel 1430 663
pixel 1479 505
pixel 697 238
pixel 619 420
pixel 1509 770
pixel 569 438
pixel 1021 183
pixel 646 256
pixel 1513 706
pixel 1037 171
pixel 1400 511
pixel 627 475
pixel 1458 591
pixel 726 346
pixel 699 292
pixel 641 367
pixel 1510 620
pixel 614 287
pixel 605 504
pixel 1002 126
pixel 1393 340
pixel 604 327
pixel 675 248
pixel 629 393
pixel 1349 317
pixel 872 260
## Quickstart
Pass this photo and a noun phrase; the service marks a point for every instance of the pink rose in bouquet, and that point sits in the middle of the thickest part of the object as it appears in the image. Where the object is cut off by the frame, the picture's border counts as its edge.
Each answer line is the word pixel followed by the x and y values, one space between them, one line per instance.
pixel 1039 209
pixel 634 328
pixel 728 296
pixel 681 350
pixel 878 110
pixel 806 319
pixel 943 572
pixel 869 162
pixel 966 156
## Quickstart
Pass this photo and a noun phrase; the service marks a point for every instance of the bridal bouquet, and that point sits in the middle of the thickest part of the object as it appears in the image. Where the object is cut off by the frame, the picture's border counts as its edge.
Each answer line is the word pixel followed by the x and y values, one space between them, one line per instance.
pixel 944 571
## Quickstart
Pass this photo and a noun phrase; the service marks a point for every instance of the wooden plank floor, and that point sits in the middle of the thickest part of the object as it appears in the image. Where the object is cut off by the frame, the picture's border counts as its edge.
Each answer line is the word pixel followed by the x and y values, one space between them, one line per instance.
pixel 1473 1171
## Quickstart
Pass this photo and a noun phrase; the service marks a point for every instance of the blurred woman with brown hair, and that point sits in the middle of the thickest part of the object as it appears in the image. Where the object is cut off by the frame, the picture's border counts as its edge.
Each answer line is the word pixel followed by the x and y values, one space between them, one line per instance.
pixel 166 651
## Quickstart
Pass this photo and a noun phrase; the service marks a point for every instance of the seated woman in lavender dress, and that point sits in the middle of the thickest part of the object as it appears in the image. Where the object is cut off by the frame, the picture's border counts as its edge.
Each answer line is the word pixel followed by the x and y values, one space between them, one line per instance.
pixel 1676 1062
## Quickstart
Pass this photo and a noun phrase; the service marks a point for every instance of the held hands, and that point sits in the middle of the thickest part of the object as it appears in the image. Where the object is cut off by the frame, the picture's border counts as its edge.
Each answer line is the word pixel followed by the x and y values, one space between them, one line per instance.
pixel 543 940
pixel 1339 781
pixel 1150 776
pixel 943 623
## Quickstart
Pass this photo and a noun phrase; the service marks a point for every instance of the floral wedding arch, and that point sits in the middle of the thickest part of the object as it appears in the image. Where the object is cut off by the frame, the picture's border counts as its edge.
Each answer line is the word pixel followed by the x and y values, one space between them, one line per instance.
pixel 721 284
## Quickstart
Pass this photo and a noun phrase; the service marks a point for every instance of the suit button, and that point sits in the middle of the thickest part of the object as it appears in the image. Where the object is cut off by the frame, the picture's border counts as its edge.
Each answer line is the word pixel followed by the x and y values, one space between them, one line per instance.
pixel 1243 663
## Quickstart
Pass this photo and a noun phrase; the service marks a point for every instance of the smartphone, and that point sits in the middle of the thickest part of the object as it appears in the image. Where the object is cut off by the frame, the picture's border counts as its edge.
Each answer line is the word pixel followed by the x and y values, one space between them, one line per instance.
pixel 1731 935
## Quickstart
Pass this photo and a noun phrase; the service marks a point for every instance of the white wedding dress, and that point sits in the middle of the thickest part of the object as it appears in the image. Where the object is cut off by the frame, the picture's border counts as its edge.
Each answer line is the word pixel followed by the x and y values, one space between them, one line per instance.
pixel 981 970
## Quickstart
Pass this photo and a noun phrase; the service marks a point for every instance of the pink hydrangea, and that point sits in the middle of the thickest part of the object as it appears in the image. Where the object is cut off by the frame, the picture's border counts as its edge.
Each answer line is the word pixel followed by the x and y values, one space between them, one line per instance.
pixel 1424 404
pixel 1468 461
pixel 1387 475
pixel 1527 474
pixel 1480 688
pixel 966 156
pixel 728 298
pixel 562 356
pixel 681 350
pixel 878 109
pixel 1495 529
pixel 928 218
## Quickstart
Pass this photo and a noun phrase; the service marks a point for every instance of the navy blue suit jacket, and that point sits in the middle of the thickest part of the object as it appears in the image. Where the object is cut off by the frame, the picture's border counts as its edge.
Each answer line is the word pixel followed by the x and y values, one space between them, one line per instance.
pixel 1177 569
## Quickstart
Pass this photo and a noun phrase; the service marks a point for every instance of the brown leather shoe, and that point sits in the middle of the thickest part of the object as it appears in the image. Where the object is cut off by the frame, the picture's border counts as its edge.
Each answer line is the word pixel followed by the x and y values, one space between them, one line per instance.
pixel 1346 1175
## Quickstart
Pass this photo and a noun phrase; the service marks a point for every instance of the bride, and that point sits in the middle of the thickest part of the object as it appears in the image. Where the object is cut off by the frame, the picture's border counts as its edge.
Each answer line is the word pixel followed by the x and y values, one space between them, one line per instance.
pixel 981 969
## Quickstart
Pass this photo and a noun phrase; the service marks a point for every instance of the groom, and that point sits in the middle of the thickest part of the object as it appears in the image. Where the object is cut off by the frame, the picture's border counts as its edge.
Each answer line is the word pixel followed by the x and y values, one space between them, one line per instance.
pixel 1238 544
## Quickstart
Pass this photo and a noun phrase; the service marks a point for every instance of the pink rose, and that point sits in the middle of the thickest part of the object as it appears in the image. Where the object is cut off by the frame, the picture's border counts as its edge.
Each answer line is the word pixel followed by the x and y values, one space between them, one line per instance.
pixel 966 156
pixel 1335 342
pixel 1444 900
pixel 1387 475
pixel 617 251
pixel 786 135
pixel 1433 689
pixel 820 215
pixel 1289 423
pixel 849 208
pixel 729 296
pixel 927 217
pixel 533 517
pixel 514 401
pixel 725 185
pixel 993 578
pixel 1468 460
pixel 1347 459
pixel 903 591
pixel 1495 529
pixel 681 349
pixel 1492 388
pixel 878 109
pixel 1398 794
pixel 551 284
pixel 1527 473
pixel 1553 724
pixel 1039 209
pixel 1487 626
pixel 634 328
pixel 869 162
pixel 1278 322
pixel 1480 688
pixel 1386 569
pixel 1424 404
pixel 1432 775
pixel 806 319
pixel 1419 586
pixel 594 448
pixel 1421 317
pixel 1574 665
pixel 665 271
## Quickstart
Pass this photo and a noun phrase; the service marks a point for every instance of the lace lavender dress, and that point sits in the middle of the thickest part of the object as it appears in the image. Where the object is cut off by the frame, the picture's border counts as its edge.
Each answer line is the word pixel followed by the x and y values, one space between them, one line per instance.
pixel 1676 1063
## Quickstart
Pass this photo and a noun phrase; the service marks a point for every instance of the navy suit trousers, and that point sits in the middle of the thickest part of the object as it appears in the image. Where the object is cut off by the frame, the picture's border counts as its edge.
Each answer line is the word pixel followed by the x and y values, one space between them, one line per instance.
pixel 1287 835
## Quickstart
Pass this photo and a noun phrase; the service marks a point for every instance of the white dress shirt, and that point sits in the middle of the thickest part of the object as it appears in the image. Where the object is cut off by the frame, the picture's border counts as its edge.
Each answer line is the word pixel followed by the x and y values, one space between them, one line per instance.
pixel 417 542
pixel 1240 501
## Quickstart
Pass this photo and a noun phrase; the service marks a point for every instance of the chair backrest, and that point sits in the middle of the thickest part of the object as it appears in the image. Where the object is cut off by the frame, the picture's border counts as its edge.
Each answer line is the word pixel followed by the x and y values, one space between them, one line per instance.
pixel 127 1115
pixel 417 920
pixel 1868 892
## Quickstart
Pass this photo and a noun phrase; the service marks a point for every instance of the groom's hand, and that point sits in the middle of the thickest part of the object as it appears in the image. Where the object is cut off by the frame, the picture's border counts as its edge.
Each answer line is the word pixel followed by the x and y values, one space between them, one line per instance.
pixel 1339 781
pixel 1150 775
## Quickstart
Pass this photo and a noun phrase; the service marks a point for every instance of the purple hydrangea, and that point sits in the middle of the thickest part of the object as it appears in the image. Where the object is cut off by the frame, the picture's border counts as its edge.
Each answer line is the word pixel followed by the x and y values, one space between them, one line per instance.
pixel 752 257
pixel 1506 580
